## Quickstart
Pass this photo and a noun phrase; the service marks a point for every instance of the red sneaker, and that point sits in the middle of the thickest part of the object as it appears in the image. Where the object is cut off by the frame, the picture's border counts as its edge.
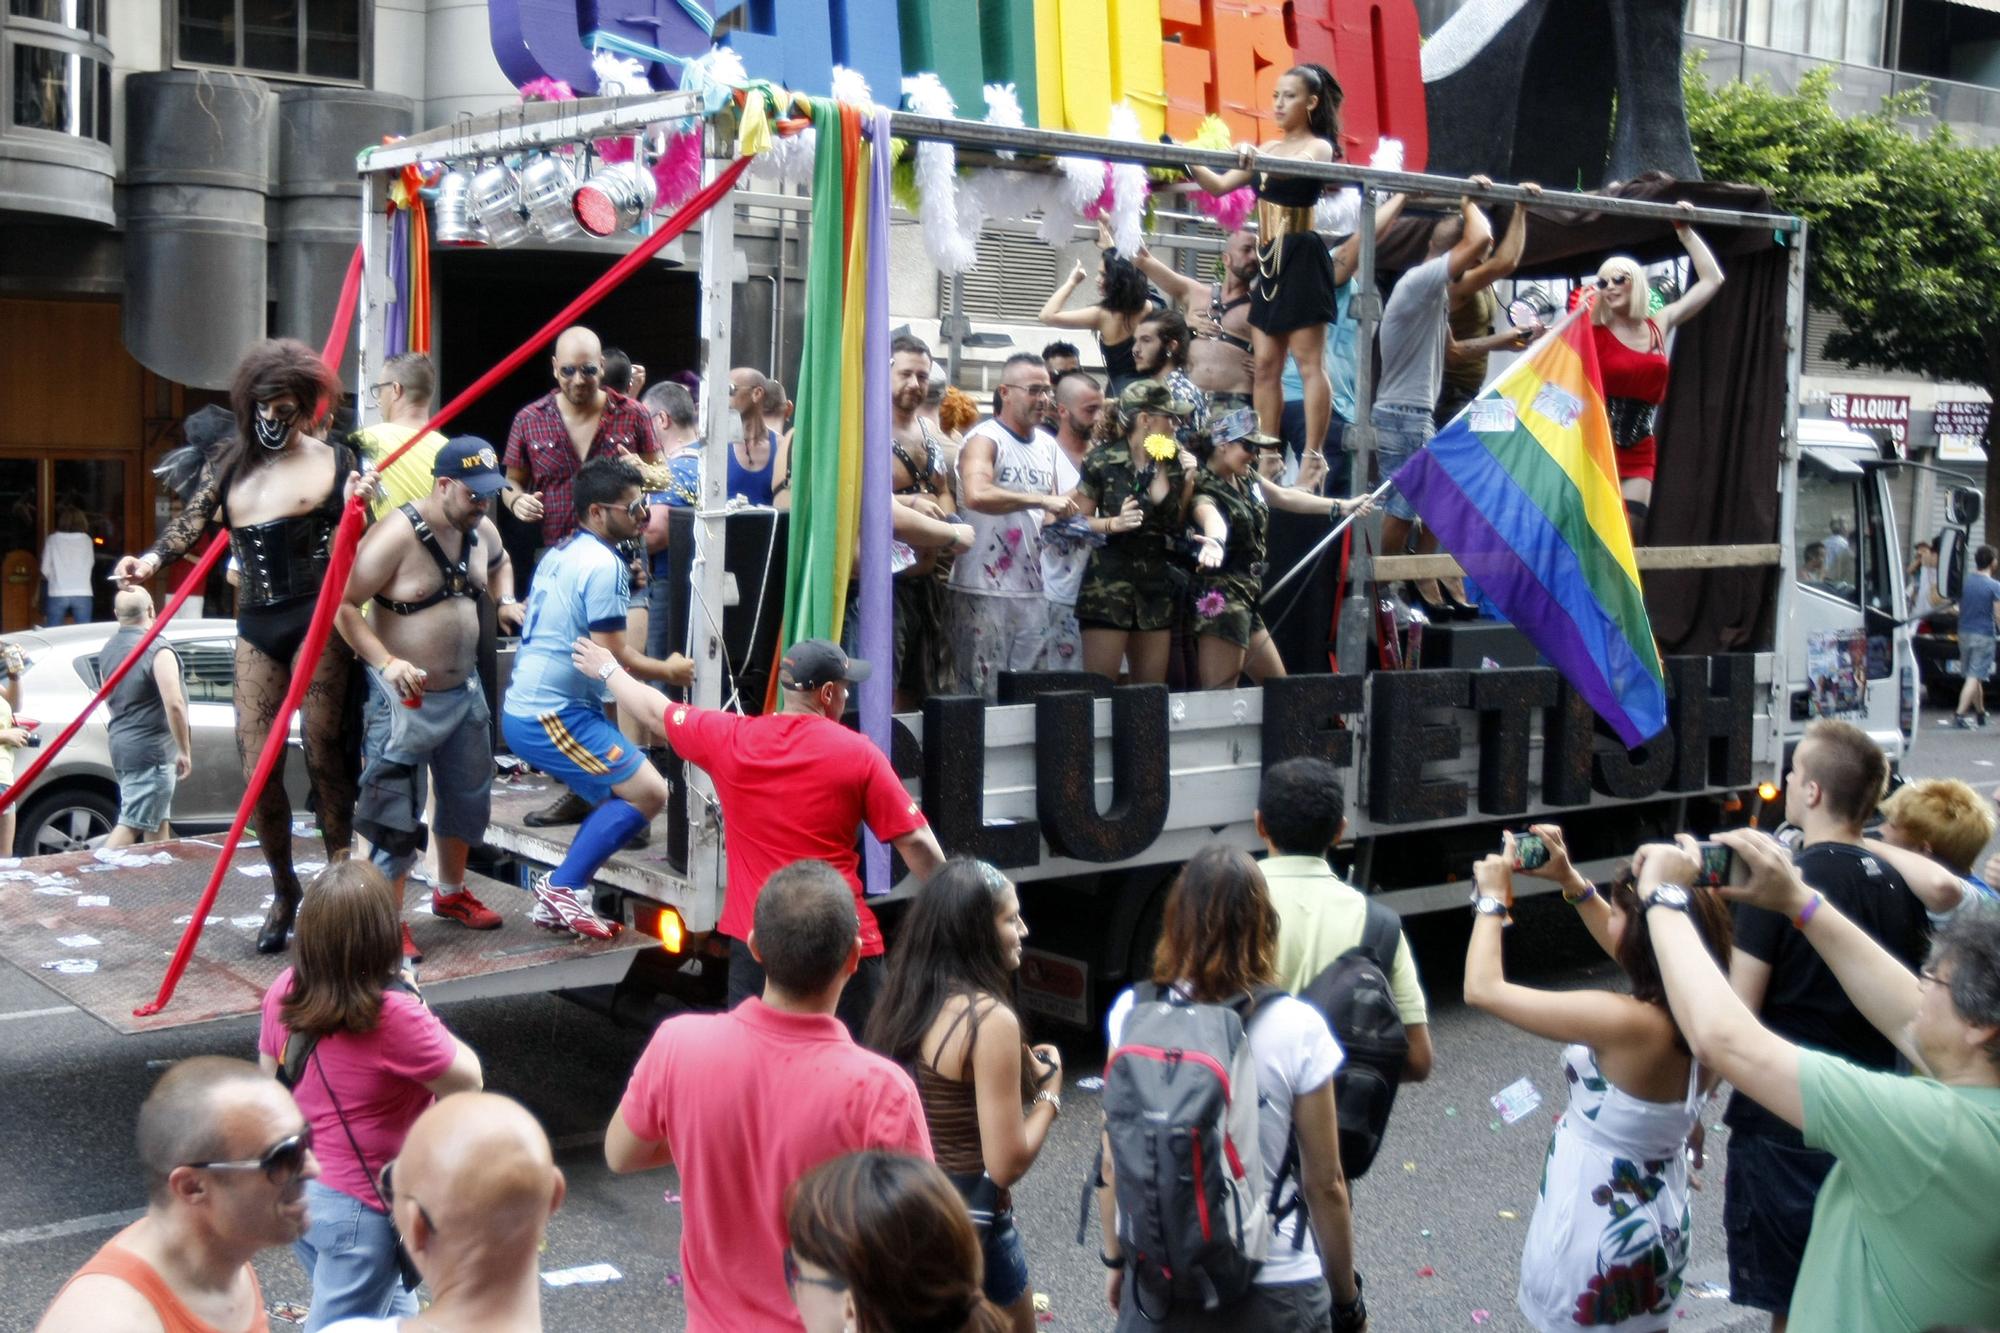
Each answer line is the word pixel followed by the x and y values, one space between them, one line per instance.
pixel 410 949
pixel 465 909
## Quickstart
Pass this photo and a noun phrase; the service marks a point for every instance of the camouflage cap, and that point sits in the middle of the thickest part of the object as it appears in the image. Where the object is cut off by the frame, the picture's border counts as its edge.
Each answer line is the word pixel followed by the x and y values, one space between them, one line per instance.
pixel 1153 396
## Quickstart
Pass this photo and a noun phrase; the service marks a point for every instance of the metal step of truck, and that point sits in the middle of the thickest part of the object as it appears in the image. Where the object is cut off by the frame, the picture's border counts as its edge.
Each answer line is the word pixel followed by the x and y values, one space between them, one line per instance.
pixel 100 933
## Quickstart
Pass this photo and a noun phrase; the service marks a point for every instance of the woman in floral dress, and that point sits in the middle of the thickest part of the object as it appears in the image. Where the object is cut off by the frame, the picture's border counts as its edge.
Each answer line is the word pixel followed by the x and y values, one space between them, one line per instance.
pixel 1609 1241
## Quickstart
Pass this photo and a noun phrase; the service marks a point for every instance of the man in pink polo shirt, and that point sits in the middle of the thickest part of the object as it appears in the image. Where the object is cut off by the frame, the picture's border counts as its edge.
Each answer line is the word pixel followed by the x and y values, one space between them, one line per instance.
pixel 746 1102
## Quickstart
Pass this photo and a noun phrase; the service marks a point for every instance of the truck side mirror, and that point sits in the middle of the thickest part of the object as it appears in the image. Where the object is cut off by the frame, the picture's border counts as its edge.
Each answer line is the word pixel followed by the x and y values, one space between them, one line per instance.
pixel 1951 558
pixel 1964 504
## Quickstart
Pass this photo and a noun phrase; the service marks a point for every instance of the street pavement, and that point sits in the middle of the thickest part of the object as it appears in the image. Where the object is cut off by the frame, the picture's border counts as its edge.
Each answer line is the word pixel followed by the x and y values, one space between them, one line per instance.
pixel 1439 1220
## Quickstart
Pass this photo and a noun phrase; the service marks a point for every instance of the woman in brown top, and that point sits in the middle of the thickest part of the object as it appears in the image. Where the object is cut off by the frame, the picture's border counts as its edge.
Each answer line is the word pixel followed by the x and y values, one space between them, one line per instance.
pixel 947 1014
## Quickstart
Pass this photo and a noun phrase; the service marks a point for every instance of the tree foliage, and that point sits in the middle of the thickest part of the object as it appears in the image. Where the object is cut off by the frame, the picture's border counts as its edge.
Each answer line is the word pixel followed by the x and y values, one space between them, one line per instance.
pixel 1904 228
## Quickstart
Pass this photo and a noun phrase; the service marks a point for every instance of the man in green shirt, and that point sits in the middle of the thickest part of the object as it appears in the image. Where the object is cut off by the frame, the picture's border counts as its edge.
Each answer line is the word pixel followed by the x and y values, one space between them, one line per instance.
pixel 1906 1234
pixel 1300 816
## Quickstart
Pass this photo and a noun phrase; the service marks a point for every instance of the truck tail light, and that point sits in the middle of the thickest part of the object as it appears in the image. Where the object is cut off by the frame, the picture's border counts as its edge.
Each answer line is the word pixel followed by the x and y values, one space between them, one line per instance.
pixel 662 923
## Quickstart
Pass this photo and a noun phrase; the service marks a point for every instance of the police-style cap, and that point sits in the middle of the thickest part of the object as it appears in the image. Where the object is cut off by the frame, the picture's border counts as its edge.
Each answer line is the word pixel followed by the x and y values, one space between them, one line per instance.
pixel 471 460
pixel 811 663
pixel 1153 396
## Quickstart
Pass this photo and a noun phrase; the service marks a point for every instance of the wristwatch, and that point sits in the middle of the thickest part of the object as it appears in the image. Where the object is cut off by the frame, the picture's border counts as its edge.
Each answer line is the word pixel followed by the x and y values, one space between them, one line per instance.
pixel 606 671
pixel 1052 1098
pixel 1670 896
pixel 1485 904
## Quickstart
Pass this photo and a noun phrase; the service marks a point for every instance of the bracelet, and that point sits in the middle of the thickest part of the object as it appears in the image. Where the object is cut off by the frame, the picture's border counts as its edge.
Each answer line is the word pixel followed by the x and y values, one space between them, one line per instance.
pixel 1589 892
pixel 1806 912
pixel 1110 1261
pixel 1054 1099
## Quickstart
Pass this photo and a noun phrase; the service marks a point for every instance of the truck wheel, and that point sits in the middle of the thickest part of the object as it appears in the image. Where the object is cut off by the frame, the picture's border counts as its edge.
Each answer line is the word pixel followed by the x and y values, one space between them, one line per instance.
pixel 73 819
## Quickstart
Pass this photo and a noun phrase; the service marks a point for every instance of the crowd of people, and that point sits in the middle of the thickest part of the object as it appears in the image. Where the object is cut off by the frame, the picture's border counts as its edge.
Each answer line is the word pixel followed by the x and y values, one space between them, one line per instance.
pixel 857 1169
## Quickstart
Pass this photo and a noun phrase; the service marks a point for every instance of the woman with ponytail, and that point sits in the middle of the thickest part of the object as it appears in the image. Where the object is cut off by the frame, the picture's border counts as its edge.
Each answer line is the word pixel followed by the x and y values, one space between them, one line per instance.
pixel 881 1243
pixel 1292 292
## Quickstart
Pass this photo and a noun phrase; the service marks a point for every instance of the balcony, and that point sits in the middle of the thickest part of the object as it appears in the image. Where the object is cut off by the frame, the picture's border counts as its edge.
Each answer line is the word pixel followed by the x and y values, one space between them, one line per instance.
pixel 55 83
pixel 1970 110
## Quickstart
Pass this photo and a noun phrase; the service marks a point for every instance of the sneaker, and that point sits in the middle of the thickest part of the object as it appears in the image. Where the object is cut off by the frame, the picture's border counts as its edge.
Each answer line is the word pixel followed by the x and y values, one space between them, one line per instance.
pixel 568 808
pixel 410 949
pixel 465 909
pixel 1982 717
pixel 557 908
pixel 1963 721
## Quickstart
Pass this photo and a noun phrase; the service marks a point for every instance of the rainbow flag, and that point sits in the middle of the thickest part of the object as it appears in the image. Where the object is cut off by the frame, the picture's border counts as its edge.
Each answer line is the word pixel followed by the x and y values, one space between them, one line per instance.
pixel 1521 487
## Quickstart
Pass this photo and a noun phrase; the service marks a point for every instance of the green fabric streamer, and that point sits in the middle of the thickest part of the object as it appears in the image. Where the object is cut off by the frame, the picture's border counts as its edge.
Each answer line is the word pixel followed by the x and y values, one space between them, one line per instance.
pixel 811 596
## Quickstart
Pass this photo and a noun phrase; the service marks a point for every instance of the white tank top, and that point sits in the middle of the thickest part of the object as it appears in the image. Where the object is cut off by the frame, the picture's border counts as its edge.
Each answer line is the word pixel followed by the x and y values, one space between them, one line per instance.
pixel 1006 555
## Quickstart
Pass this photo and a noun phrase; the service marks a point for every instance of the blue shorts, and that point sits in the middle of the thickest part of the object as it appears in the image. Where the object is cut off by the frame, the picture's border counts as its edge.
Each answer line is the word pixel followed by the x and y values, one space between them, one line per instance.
pixel 1975 655
pixel 1399 433
pixel 575 746
pixel 447 736
pixel 146 796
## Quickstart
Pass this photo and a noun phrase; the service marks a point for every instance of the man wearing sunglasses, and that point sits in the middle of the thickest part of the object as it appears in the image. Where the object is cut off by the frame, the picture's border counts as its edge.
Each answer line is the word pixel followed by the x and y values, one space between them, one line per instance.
pixel 227 1156
pixel 554 436
pixel 553 715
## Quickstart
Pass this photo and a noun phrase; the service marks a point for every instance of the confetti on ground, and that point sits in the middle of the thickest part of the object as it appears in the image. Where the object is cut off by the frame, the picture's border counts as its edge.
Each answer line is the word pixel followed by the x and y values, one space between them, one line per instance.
pixel 1410 1166
pixel 124 860
pixel 79 941
pixel 183 920
pixel 72 967
pixel 1041 1302
pixel 1451 1110
pixel 1710 1291
pixel 291 1312
pixel 1090 1083
pixel 93 900
pixel 248 922
pixel 674 1281
pixel 1493 1125
pixel 1509 1215
pixel 570 1277
pixel 1427 1271
pixel 1481 1316
pixel 1425 1233
pixel 1516 1100
pixel 671 1197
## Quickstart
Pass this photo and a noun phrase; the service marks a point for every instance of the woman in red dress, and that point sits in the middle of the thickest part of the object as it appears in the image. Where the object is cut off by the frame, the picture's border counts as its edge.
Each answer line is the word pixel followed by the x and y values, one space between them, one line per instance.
pixel 1632 359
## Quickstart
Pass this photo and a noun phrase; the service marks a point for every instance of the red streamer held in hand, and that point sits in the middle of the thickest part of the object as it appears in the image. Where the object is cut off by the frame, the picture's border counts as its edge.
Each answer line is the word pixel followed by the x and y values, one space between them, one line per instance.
pixel 348 536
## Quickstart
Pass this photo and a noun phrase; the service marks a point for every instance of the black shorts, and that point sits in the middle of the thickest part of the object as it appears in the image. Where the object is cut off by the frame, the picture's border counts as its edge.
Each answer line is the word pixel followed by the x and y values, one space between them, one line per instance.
pixel 1767 1208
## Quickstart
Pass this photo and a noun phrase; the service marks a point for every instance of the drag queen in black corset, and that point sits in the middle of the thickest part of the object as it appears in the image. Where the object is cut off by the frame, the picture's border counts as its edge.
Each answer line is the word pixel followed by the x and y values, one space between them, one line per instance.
pixel 1292 294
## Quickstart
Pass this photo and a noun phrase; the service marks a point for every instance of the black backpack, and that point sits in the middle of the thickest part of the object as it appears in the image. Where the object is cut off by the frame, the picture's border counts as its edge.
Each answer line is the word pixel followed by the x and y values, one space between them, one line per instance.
pixel 1354 997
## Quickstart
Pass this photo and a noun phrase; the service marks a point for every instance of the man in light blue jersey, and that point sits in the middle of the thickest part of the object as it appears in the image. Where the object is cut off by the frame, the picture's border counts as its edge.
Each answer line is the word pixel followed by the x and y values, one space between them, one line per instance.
pixel 553 715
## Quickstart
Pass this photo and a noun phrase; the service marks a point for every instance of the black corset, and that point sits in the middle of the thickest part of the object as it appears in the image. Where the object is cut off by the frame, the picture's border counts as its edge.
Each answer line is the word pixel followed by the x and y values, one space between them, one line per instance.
pixel 281 560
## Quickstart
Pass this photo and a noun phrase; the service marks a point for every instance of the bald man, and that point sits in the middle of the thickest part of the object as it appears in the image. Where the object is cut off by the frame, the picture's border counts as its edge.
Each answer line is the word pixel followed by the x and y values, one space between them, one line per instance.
pixel 227 1156
pixel 151 747
pixel 760 401
pixel 558 433
pixel 471 1195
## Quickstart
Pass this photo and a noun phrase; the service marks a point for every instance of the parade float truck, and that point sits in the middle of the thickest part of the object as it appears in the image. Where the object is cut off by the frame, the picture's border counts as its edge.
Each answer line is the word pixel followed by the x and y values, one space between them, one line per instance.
pixel 1089 794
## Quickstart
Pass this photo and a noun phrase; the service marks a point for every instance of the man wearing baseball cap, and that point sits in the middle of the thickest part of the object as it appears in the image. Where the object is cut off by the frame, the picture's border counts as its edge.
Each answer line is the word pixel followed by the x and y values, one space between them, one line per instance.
pixel 426 715
pixel 794 785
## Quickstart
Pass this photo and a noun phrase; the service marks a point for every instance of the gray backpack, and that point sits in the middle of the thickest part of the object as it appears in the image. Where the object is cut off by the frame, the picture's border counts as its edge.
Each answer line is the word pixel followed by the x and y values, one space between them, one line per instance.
pixel 1180 1110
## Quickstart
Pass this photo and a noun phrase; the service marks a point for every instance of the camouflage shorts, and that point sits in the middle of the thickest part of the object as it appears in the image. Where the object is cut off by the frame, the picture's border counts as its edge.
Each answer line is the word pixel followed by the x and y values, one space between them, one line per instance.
pixel 1128 596
pixel 1227 609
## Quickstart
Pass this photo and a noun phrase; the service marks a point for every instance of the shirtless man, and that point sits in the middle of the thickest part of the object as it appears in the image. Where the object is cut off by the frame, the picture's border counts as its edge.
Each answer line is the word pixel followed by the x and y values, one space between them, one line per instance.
pixel 426 712
pixel 1218 315
pixel 921 478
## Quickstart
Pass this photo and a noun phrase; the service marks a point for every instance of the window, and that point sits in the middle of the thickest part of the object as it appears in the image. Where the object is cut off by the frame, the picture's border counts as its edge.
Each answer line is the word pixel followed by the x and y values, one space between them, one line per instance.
pixel 303 39
pixel 208 670
pixel 1829 527
pixel 83 15
pixel 1847 30
pixel 63 91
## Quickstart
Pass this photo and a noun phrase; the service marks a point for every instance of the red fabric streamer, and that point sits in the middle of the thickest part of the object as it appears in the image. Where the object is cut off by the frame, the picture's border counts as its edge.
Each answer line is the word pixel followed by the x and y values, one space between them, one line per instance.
pixel 188 586
pixel 343 313
pixel 348 536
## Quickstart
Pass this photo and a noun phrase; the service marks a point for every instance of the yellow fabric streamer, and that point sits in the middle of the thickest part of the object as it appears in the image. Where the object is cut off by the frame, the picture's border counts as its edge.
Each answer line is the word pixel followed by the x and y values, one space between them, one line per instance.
pixel 854 320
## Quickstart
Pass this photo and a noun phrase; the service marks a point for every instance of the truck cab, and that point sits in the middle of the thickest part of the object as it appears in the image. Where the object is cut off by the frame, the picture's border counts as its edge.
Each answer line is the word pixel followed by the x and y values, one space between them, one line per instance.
pixel 1848 639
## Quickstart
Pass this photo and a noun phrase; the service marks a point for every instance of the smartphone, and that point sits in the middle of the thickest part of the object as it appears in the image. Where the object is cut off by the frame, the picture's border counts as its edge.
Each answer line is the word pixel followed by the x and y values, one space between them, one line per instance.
pixel 1717 863
pixel 1530 852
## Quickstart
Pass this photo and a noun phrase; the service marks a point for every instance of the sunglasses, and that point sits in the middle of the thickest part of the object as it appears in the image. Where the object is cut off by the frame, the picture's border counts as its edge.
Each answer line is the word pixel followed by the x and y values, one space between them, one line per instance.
pixel 386 1186
pixel 1032 390
pixel 793 1276
pixel 1617 280
pixel 375 390
pixel 589 372
pixel 281 1163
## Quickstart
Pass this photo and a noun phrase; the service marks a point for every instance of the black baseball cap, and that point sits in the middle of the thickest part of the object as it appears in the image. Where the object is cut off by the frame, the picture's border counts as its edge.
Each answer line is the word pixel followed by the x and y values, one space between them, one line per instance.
pixel 811 663
pixel 472 461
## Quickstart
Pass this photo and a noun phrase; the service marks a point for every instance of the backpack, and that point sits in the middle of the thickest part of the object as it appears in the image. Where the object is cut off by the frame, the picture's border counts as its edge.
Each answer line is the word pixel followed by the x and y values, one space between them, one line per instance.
pixel 1354 997
pixel 1180 1112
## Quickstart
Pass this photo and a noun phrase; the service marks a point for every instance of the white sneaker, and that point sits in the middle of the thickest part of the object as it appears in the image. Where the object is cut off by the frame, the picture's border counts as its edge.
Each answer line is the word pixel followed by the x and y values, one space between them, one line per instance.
pixel 557 908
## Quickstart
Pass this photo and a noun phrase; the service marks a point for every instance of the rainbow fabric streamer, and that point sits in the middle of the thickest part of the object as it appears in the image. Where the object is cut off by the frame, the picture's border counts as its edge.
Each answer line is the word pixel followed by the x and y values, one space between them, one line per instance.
pixel 1522 488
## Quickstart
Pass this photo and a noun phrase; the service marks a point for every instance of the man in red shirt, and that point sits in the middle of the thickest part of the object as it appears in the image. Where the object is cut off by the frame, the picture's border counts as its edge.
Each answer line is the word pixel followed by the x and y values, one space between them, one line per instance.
pixel 746 1102
pixel 795 785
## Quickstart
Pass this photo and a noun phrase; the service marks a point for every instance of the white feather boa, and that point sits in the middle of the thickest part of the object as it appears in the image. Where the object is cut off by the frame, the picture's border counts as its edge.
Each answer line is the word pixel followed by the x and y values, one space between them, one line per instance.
pixel 1128 185
pixel 948 238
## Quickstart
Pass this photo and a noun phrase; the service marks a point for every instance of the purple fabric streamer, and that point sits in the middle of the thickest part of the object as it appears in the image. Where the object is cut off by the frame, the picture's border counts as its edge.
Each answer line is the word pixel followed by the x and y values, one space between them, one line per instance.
pixel 396 319
pixel 877 636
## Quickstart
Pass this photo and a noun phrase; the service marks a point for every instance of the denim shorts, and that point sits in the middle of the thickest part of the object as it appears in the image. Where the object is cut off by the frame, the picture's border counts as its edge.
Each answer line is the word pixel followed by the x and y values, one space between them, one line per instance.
pixel 349 1250
pixel 146 796
pixel 1399 432
pixel 999 1239
pixel 1975 655
pixel 450 736
pixel 1767 1212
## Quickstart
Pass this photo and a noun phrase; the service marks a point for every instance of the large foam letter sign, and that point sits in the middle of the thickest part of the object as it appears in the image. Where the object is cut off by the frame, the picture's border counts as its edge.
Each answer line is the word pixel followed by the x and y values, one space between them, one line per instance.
pixel 1007 31
pixel 1372 47
pixel 942 37
pixel 798 44
pixel 537 39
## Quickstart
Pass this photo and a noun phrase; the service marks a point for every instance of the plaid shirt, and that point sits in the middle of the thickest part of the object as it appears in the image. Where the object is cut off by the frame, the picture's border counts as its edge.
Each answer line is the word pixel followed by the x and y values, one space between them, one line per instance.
pixel 539 442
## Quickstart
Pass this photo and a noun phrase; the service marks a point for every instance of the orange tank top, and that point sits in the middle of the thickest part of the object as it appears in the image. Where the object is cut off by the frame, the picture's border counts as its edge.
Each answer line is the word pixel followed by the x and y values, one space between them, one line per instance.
pixel 114 1260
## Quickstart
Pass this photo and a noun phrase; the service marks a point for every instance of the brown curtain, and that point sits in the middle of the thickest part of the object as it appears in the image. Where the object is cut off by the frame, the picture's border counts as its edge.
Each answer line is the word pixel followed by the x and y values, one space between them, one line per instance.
pixel 1719 430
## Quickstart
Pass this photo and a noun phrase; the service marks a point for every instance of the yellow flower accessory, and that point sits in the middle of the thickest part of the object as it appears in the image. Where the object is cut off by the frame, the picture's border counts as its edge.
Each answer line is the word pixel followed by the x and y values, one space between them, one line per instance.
pixel 1160 448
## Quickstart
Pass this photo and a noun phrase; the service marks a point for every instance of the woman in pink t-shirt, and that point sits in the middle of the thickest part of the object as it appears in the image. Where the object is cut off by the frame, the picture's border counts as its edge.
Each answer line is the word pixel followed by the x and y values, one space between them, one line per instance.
pixel 364 1057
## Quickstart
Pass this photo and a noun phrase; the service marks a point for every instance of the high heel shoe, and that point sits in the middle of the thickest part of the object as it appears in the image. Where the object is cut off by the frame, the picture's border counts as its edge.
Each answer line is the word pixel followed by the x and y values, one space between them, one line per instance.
pixel 1414 597
pixel 272 937
pixel 1456 609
